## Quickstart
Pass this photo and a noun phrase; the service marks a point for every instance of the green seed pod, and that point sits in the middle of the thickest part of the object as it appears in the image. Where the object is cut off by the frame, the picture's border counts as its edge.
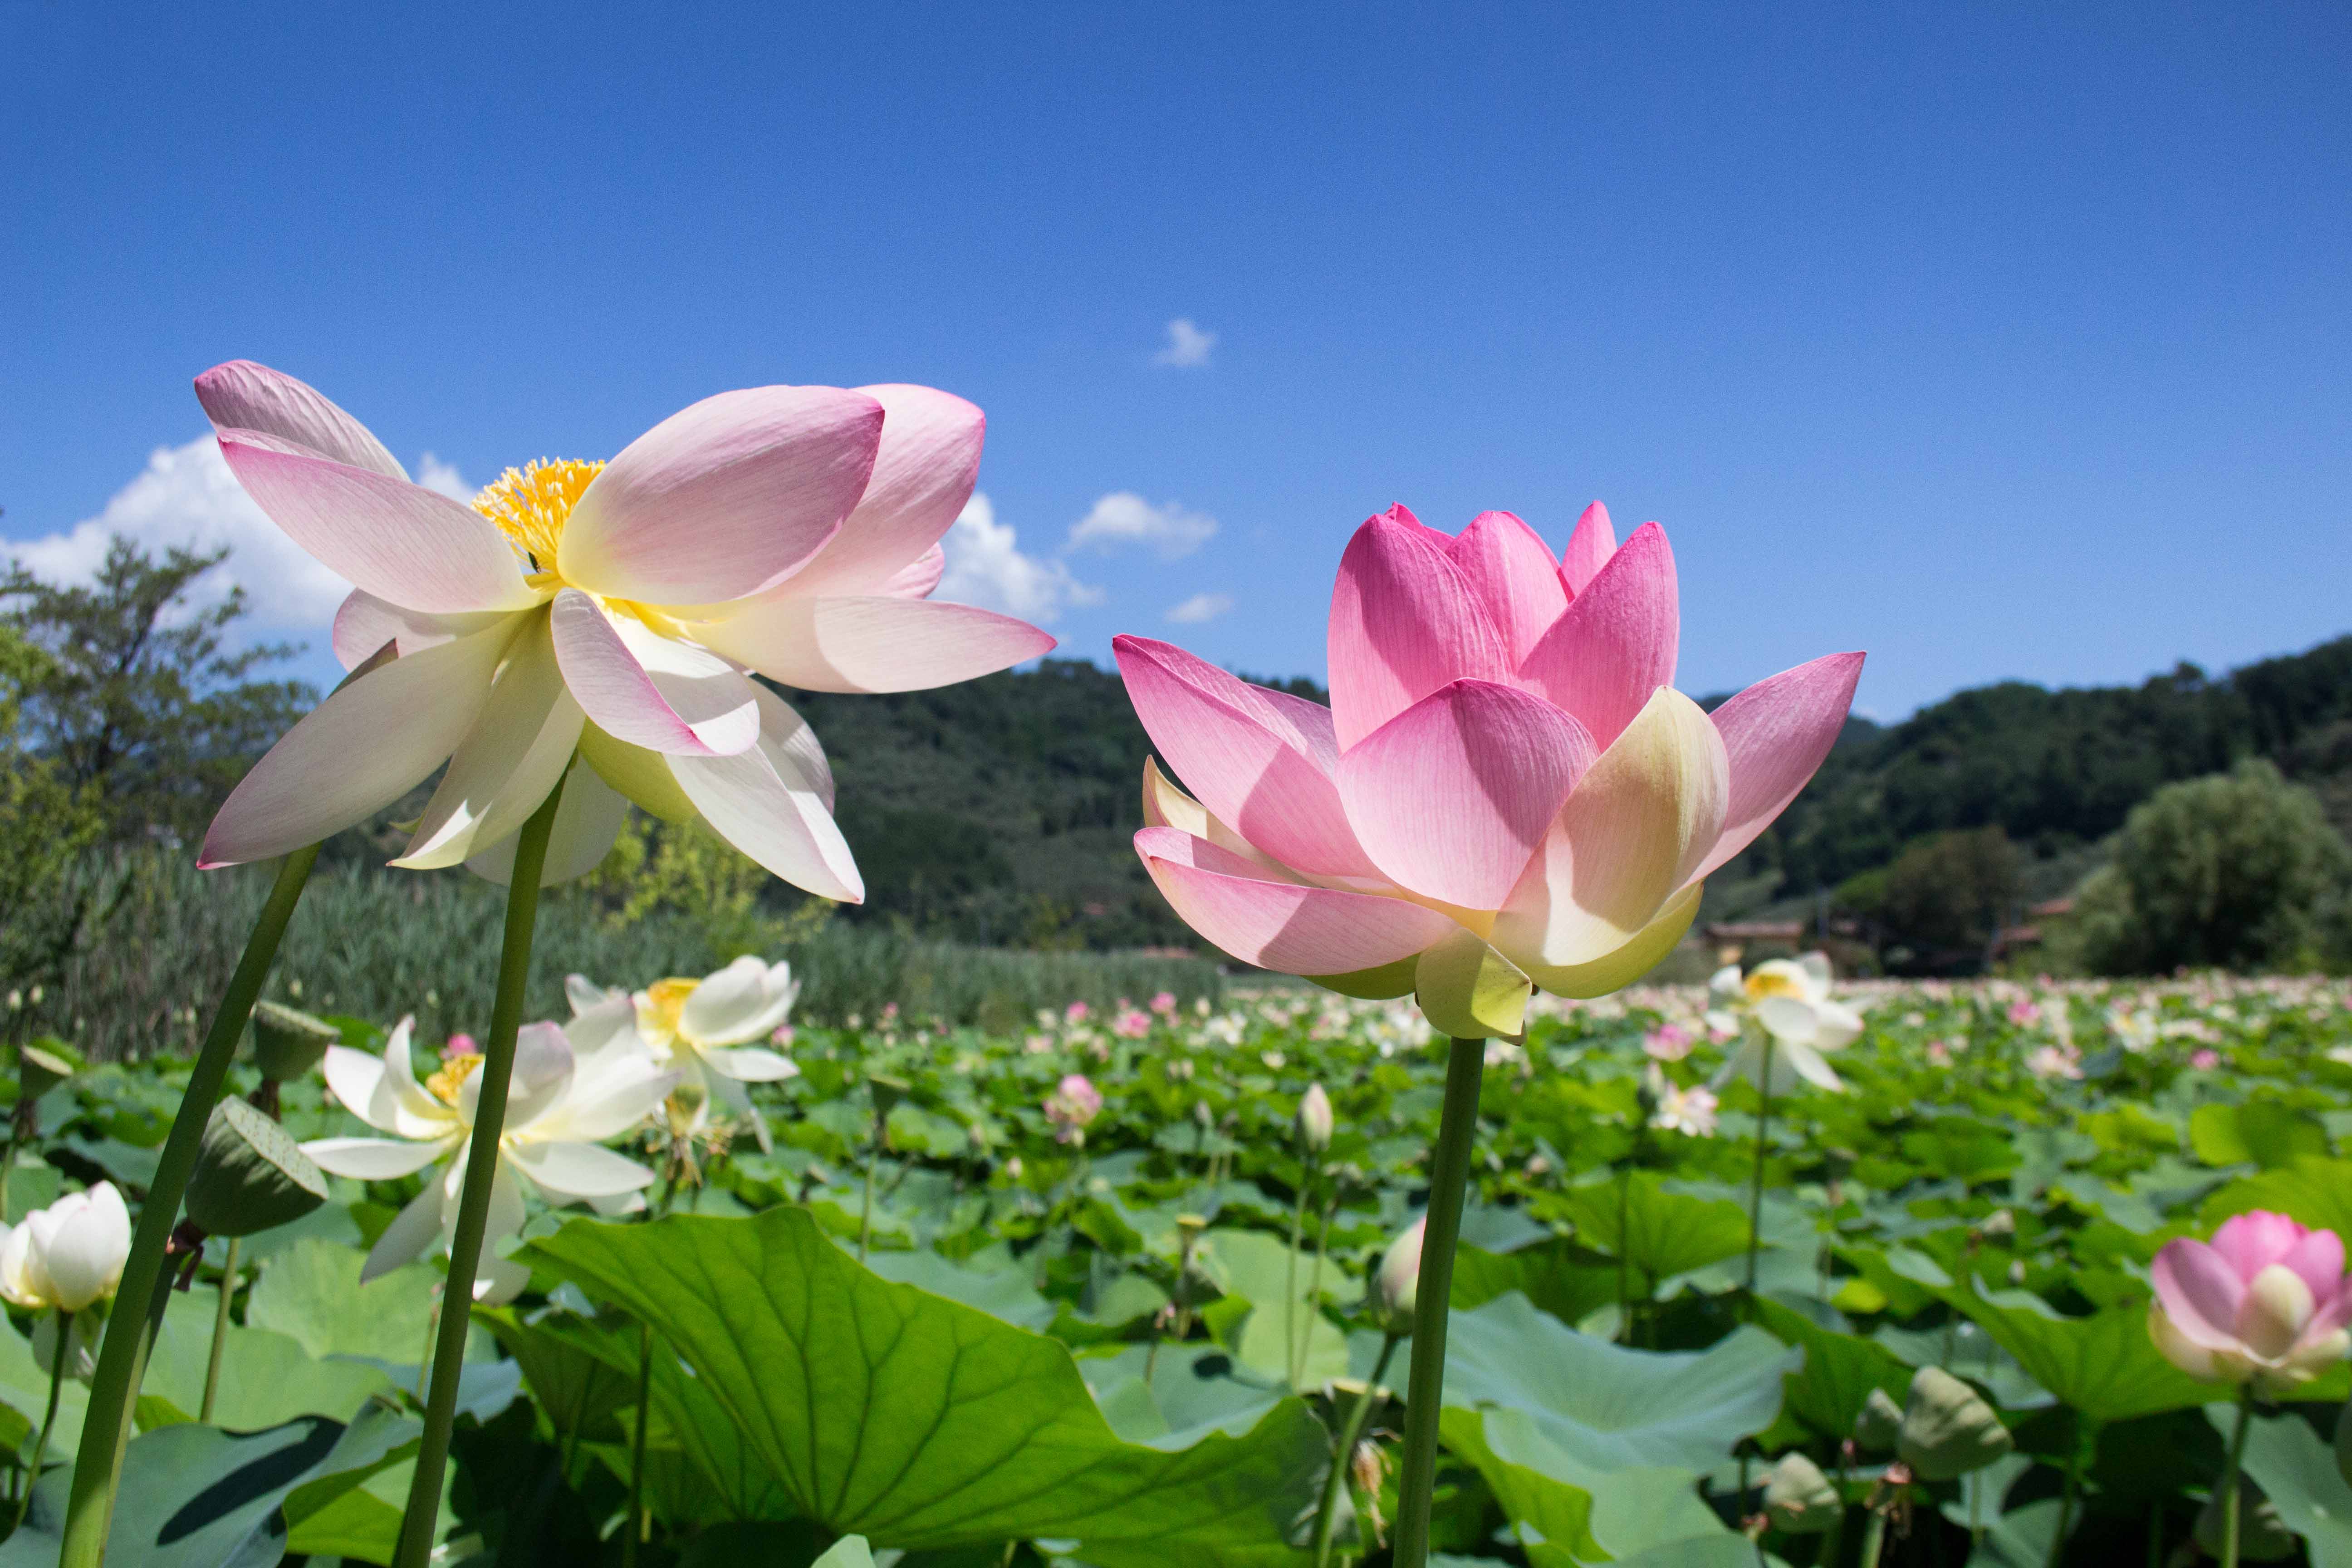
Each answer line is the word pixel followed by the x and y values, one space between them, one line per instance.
pixel 1947 1430
pixel 1798 1497
pixel 41 1067
pixel 887 1092
pixel 2260 1536
pixel 250 1176
pixel 288 1042
pixel 1880 1426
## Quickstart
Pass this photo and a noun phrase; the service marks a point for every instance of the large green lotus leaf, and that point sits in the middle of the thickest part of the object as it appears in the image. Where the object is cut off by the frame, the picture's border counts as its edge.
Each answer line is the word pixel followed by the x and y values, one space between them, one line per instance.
pixel 197 1497
pixel 24 1390
pixel 311 1291
pixel 2259 1133
pixel 2297 1472
pixel 2315 1191
pixel 1839 1370
pixel 1557 1275
pixel 1005 1294
pixel 1263 1270
pixel 1569 1513
pixel 885 1411
pixel 565 1364
pixel 2105 1366
pixel 1662 1232
pixel 1610 1409
pixel 267 1379
pixel 1194 1390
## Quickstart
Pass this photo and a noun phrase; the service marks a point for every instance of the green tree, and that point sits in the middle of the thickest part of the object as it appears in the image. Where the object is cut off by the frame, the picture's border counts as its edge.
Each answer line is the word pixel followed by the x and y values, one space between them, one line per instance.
pixel 2239 870
pixel 1941 900
pixel 145 699
pixel 45 822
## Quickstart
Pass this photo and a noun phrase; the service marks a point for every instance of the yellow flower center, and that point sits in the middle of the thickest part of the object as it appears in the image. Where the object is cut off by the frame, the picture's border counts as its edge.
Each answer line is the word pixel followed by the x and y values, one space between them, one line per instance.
pixel 666 999
pixel 1769 983
pixel 530 504
pixel 451 1077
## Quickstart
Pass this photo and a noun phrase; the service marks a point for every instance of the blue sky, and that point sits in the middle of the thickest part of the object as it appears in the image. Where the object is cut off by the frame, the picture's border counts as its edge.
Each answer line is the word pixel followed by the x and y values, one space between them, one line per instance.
pixel 1998 341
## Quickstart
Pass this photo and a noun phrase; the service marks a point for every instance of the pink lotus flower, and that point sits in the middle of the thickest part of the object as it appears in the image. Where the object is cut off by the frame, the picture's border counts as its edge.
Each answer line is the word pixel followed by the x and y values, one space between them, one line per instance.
pixel 1164 1004
pixel 460 1046
pixel 612 610
pixel 2205 1060
pixel 1077 1012
pixel 1130 1023
pixel 1074 1103
pixel 2266 1301
pixel 1668 1043
pixel 1506 791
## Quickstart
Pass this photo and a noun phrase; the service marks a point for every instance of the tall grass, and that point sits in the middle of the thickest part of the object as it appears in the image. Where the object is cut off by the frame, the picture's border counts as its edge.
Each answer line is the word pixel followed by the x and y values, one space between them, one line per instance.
pixel 377 944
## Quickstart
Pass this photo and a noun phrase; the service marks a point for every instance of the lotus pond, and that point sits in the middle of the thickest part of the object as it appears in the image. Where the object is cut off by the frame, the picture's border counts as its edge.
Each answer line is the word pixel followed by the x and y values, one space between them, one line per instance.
pixel 977 1313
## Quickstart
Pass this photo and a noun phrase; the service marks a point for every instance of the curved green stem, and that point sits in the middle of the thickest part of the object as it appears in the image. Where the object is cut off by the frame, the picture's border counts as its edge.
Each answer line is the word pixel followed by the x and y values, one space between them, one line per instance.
pixel 1294 1355
pixel 2231 1501
pixel 48 1416
pixel 421 1522
pixel 106 1425
pixel 1873 1538
pixel 1449 1172
pixel 220 1332
pixel 1326 1512
pixel 637 1527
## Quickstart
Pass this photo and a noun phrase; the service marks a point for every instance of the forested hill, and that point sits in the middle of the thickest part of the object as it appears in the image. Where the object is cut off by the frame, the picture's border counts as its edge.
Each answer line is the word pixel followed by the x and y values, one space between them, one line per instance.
pixel 1001 810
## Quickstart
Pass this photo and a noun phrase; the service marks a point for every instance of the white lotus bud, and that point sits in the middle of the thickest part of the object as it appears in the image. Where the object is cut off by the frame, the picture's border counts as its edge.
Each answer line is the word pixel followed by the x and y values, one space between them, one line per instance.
pixel 1396 1283
pixel 1315 1119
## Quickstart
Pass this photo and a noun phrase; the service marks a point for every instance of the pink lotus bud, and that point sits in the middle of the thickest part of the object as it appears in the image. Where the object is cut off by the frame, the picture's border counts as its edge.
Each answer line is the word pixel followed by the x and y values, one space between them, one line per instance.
pixel 1315 1119
pixel 1396 1283
pixel 2265 1302
pixel 460 1046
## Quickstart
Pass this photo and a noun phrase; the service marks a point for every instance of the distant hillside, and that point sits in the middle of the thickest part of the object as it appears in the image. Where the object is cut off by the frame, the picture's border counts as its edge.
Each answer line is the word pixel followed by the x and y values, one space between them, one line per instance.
pixel 1001 810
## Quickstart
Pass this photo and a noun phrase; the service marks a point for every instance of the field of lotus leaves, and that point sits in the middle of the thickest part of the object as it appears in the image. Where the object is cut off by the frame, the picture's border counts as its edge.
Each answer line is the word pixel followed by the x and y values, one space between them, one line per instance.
pixel 1092 1293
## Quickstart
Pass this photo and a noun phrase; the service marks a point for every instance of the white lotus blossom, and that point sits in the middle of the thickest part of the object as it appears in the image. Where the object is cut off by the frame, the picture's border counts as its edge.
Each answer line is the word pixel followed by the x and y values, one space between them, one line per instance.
pixel 701 1030
pixel 67 1256
pixel 1785 1004
pixel 560 1106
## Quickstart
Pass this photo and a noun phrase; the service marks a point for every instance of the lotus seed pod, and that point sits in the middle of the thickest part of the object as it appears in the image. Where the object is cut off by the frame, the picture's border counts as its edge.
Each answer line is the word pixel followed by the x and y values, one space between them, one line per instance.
pixel 287 1042
pixel 2262 1538
pixel 1798 1497
pixel 1315 1119
pixel 1396 1283
pixel 40 1068
pixel 1880 1426
pixel 250 1176
pixel 1949 1430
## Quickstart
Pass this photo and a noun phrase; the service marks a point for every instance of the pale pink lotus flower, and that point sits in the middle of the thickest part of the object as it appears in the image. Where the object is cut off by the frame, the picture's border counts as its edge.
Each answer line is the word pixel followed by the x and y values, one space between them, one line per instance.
pixel 2205 1060
pixel 1130 1021
pixel 2266 1301
pixel 1507 790
pixel 1074 1103
pixel 1668 1043
pixel 1164 1004
pixel 611 611
pixel 1077 1012
pixel 460 1044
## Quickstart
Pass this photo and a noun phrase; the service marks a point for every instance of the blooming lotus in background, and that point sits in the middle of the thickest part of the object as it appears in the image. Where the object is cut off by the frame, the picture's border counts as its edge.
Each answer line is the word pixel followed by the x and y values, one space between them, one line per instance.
pixel 2265 1302
pixel 1506 792
pixel 1789 1002
pixel 702 1030
pixel 614 611
pixel 560 1106
pixel 1690 1112
pixel 1073 1105
pixel 68 1255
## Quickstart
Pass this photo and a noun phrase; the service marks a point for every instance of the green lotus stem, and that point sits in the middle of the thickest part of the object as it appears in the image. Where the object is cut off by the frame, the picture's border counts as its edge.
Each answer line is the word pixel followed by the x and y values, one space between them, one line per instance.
pixel 1624 1263
pixel 1326 1512
pixel 122 1355
pixel 2066 1508
pixel 1873 1538
pixel 419 1524
pixel 1756 1187
pixel 1315 1272
pixel 48 1416
pixel 1449 1172
pixel 638 1526
pixel 220 1332
pixel 2231 1501
pixel 1294 1353
pixel 866 1218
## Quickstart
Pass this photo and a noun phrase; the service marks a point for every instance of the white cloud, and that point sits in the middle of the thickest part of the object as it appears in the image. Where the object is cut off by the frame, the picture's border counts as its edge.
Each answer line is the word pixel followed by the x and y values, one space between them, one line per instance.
pixel 436 475
pixel 187 496
pixel 1201 607
pixel 985 567
pixel 1123 517
pixel 1188 346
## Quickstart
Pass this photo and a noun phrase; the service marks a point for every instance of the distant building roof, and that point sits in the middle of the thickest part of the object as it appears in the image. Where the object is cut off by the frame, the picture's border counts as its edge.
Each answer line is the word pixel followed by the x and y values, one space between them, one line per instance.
pixel 2051 909
pixel 1755 930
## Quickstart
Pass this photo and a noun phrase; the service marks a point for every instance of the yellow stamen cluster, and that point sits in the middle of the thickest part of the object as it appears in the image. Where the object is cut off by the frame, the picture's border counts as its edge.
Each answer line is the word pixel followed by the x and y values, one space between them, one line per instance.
pixel 1770 983
pixel 530 504
pixel 451 1077
pixel 667 998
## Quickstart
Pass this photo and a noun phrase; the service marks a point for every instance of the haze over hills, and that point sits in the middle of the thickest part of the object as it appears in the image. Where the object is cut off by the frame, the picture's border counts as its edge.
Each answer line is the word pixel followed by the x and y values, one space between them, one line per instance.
pixel 1001 810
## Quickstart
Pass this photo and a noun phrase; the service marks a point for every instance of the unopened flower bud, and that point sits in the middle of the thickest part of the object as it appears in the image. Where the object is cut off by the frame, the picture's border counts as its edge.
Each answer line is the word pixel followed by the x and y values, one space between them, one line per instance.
pixel 1315 1119
pixel 1369 1464
pixel 2000 1222
pixel 1396 1283
pixel 1799 1498
pixel 1949 1430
